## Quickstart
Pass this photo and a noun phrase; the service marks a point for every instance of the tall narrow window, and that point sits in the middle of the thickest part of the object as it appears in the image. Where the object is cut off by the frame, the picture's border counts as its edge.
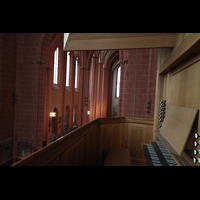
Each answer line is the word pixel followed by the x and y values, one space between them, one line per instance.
pixel 118 82
pixel 68 69
pixel 76 73
pixel 55 75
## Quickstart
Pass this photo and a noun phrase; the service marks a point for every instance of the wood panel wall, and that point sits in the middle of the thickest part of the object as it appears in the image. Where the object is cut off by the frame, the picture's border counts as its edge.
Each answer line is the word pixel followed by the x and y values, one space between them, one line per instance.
pixel 180 83
pixel 111 135
pixel 138 132
pixel 90 144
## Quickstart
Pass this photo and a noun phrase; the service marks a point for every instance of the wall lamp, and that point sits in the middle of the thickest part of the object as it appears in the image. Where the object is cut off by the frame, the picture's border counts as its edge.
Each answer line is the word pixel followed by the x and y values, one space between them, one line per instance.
pixel 52 114
pixel 88 112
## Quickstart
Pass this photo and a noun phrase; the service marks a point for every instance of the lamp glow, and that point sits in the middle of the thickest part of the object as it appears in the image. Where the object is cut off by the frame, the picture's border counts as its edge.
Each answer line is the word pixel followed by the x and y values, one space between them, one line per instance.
pixel 52 114
pixel 88 112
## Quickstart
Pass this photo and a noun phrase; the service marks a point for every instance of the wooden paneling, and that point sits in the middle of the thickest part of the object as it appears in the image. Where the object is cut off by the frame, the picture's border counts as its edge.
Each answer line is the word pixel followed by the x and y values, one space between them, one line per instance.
pixel 137 134
pixel 149 135
pixel 48 155
pixel 106 41
pixel 55 162
pixel 178 78
pixel 89 145
pixel 111 120
pixel 118 157
pixel 91 148
pixel 139 120
pixel 185 90
pixel 111 136
pixel 74 156
pixel 188 47
pixel 100 36
pixel 177 126
pixel 180 37
pixel 135 138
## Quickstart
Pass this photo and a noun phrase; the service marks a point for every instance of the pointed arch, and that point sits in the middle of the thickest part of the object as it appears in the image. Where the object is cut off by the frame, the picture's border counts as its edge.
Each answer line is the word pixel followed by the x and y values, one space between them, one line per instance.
pixel 49 42
pixel 75 114
pixel 67 116
pixel 54 126
pixel 89 57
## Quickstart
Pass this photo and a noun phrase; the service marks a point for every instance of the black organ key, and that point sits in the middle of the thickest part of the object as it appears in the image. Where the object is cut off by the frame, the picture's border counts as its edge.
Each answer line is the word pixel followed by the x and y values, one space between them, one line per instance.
pixel 157 155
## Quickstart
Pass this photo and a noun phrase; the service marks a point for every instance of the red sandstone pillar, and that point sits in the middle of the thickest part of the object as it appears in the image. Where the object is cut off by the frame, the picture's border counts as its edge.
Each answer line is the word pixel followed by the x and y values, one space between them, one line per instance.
pixel 104 92
pixel 93 87
pixel 72 75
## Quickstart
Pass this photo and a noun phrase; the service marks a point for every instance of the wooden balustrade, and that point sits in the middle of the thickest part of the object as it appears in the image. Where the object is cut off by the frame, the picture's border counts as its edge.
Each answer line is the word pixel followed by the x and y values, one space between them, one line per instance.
pixel 89 145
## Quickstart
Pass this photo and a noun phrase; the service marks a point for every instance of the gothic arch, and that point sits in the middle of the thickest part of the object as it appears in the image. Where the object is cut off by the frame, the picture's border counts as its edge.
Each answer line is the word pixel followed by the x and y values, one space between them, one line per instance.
pixel 67 116
pixel 89 57
pixel 54 126
pixel 75 114
pixel 49 41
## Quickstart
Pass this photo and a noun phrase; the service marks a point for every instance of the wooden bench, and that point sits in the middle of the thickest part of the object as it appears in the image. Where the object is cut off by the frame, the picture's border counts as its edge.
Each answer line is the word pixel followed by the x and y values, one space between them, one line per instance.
pixel 118 157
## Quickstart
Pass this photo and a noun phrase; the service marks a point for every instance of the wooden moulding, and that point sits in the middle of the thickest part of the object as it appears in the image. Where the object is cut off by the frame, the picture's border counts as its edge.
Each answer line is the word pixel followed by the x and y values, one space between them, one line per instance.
pixel 45 155
pixel 177 127
pixel 187 48
pixel 139 120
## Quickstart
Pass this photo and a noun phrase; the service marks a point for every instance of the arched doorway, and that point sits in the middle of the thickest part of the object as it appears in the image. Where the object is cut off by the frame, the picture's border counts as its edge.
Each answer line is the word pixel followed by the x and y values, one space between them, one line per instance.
pixel 75 112
pixel 66 121
pixel 54 125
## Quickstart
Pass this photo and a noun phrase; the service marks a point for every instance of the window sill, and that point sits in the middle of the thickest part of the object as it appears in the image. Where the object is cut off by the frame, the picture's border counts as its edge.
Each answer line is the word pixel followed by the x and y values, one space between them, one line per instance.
pixel 76 90
pixel 56 87
pixel 68 88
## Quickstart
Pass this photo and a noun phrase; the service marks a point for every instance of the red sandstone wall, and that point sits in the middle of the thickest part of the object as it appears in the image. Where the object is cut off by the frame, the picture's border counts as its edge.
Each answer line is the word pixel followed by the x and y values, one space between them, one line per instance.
pixel 138 82
pixel 27 123
pixel 36 98
pixel 7 84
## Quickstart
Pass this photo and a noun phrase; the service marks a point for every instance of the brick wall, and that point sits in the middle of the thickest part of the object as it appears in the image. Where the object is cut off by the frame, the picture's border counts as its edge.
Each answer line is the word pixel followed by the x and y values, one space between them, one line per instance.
pixel 7 83
pixel 27 89
pixel 138 82
pixel 29 119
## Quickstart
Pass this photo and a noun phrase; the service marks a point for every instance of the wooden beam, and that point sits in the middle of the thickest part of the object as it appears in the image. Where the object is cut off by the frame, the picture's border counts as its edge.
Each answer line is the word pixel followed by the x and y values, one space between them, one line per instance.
pixel 110 41
pixel 189 46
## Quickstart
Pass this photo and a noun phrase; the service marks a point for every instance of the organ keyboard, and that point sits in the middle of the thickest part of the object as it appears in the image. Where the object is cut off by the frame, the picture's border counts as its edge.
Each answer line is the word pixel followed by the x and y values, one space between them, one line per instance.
pixel 157 155
pixel 177 139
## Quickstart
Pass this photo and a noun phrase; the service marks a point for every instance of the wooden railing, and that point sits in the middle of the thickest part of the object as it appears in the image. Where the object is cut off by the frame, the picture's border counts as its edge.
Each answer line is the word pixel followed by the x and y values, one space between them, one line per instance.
pixel 90 144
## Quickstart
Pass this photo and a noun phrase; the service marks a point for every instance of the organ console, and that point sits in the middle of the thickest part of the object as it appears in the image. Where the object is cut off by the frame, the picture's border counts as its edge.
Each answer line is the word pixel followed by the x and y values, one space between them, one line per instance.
pixel 196 152
pixel 162 113
pixel 196 135
pixel 162 109
pixel 194 160
pixel 176 139
pixel 195 143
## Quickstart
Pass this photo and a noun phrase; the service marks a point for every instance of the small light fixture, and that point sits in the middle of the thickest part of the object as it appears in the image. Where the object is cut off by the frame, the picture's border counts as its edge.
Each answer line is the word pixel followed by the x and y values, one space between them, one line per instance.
pixel 88 112
pixel 52 114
